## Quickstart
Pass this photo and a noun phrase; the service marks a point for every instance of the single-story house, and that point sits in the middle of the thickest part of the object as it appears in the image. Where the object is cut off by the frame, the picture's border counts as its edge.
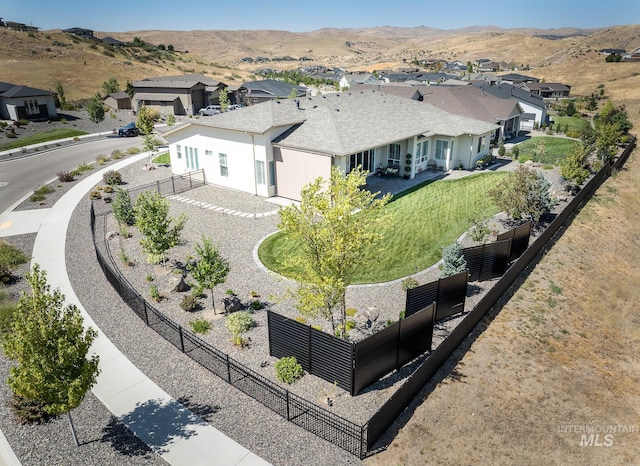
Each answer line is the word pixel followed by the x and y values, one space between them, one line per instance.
pixel 18 26
pixel 533 106
pixel 472 102
pixel 118 101
pixel 547 90
pixel 111 41
pixel 28 103
pixel 180 95
pixel 270 89
pixel 516 78
pixel 399 89
pixel 350 79
pixel 277 147
pixel 82 32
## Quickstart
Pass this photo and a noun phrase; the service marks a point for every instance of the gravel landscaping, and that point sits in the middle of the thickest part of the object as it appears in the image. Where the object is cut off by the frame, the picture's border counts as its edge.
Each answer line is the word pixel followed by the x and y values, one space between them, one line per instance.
pixel 222 405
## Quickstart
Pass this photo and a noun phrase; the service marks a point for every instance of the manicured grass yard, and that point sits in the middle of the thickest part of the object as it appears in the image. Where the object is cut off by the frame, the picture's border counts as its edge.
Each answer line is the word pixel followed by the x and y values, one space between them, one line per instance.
pixel 575 124
pixel 556 148
pixel 43 136
pixel 162 158
pixel 425 220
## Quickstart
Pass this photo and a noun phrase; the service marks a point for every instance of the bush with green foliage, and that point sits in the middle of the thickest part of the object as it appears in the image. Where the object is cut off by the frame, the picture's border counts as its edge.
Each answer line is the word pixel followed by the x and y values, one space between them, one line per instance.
pixel 8 308
pixel 189 303
pixel 409 283
pixel 453 260
pixel 117 154
pixel 501 150
pixel 112 177
pixel 574 167
pixel 515 152
pixel 237 324
pixel 10 258
pixel 200 325
pixel 288 370
pixel 122 208
pixel 102 159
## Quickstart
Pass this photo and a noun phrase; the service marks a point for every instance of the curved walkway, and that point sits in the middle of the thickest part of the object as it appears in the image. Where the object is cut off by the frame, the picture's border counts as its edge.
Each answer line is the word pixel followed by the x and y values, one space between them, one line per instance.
pixel 173 432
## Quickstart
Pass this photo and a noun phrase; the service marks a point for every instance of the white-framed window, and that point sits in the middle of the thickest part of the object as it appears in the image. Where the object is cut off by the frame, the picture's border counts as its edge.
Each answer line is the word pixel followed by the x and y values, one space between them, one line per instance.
pixel 260 174
pixel 32 106
pixel 480 143
pixel 178 151
pixel 423 152
pixel 224 169
pixel 442 147
pixel 192 158
pixel 394 154
pixel 272 173
pixel 208 153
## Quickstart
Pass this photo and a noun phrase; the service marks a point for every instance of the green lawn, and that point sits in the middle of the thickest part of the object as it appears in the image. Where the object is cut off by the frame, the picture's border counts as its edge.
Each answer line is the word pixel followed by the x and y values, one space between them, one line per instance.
pixel 43 136
pixel 162 158
pixel 556 148
pixel 425 220
pixel 575 124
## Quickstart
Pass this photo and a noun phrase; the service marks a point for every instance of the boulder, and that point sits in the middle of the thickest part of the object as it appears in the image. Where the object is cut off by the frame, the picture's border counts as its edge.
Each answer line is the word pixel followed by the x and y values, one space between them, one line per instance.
pixel 232 304
pixel 373 313
pixel 177 283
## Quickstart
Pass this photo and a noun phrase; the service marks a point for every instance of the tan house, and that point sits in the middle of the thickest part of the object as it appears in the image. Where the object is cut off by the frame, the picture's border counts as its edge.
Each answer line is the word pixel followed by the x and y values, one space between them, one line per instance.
pixel 179 95
pixel 118 101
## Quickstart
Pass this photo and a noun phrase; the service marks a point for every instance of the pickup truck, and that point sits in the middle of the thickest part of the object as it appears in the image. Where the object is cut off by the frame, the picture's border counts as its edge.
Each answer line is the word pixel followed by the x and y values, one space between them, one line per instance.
pixel 209 110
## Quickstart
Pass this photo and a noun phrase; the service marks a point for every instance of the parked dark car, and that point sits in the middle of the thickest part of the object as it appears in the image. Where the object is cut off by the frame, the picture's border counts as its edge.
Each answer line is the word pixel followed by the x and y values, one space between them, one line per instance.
pixel 129 130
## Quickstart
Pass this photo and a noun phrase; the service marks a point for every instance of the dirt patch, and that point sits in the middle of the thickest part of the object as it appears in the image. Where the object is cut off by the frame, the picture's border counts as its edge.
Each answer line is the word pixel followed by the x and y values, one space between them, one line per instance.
pixel 557 361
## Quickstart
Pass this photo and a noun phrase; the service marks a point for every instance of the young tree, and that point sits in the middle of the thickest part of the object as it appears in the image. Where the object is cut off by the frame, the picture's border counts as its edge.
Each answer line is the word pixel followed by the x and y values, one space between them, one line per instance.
pixel 153 221
pixel 123 210
pixel 144 120
pixel 96 110
pixel 571 108
pixel 523 193
pixel 337 225
pixel 129 89
pixel 607 141
pixel 210 268
pixel 50 346
pixel 170 48
pixel 224 100
pixel 60 99
pixel 171 119
pixel 453 260
pixel 574 167
pixel 110 86
pixel 149 145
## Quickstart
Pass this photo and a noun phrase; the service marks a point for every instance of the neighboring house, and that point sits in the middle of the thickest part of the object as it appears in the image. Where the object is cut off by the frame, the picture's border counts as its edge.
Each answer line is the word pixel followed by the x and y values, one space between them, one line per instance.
pixel 547 90
pixel 270 89
pixel 18 26
pixel 358 78
pixel 422 77
pixel 278 147
pixel 469 101
pixel 180 95
pixel 515 78
pixel 613 51
pixel 118 101
pixel 400 90
pixel 111 41
pixel 86 33
pixel 533 106
pixel 22 102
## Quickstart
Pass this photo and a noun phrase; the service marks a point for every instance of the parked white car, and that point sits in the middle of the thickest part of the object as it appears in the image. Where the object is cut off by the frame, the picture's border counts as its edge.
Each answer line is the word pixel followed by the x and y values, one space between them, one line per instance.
pixel 209 110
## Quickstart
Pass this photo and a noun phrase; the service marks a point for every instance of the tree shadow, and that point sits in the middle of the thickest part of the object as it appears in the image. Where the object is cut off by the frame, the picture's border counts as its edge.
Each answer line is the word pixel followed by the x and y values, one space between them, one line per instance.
pixel 122 439
pixel 159 424
pixel 204 411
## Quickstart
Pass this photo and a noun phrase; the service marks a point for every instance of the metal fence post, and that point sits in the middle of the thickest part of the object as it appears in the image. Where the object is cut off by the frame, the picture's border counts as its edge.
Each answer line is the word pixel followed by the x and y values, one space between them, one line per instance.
pixel 190 182
pixel 181 339
pixel 173 185
pixel 146 316
pixel 287 398
pixel 158 187
pixel 228 370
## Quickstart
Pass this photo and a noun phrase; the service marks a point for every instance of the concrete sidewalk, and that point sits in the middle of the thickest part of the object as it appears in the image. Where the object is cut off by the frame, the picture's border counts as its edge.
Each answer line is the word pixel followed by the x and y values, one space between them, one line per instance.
pixel 171 430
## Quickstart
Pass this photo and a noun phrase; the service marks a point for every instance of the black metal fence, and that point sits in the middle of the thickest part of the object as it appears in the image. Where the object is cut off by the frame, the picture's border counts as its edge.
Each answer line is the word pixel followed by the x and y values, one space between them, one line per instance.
pixel 449 294
pixel 519 237
pixel 354 438
pixel 351 366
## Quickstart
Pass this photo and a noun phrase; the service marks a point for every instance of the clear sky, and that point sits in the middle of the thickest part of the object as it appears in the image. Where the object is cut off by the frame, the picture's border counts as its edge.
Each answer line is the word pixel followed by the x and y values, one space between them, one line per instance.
pixel 297 15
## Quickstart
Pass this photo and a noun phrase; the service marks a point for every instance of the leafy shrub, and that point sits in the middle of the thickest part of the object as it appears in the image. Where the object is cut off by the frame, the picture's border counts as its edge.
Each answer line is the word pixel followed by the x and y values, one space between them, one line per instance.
pixel 515 152
pixel 133 150
pixel 230 292
pixel 84 167
pixel 108 189
pixel 240 322
pixel 117 154
pixel 102 159
pixel 108 53
pixel 288 370
pixel 402 314
pixel 8 308
pixel 123 208
pixel 189 303
pixel 10 258
pixel 112 177
pixel 200 325
pixel 256 305
pixel 453 260
pixel 95 195
pixel 40 194
pixel 300 319
pixel 409 283
pixel 350 325
pixel 573 134
pixel 65 176
pixel 155 293
pixel 317 327
pixel 501 150
pixel 351 311
pixel 11 135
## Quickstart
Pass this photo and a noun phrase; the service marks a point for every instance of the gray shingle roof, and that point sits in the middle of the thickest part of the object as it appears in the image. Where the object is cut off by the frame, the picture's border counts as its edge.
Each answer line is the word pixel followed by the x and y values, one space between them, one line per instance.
pixel 12 90
pixel 345 123
pixel 506 91
pixel 273 88
pixel 118 95
pixel 181 81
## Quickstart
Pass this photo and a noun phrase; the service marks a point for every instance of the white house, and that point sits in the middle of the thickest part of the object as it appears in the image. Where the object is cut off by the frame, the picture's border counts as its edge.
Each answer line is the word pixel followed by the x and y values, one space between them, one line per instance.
pixel 277 147
pixel 23 102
